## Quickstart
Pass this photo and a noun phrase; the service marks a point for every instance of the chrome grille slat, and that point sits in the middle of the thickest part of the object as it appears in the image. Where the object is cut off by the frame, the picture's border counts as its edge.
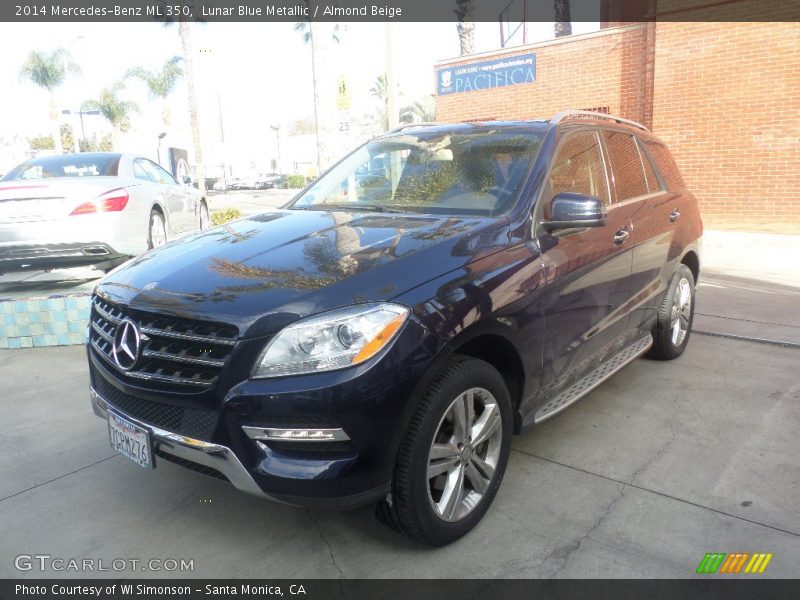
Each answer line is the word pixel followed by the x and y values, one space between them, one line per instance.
pixel 171 351
pixel 151 376
pixel 103 334
pixel 188 337
pixel 190 360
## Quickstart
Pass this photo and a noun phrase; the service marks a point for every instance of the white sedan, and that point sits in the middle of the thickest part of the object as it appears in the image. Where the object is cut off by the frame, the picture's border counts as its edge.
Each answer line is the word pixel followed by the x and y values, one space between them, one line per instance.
pixel 79 209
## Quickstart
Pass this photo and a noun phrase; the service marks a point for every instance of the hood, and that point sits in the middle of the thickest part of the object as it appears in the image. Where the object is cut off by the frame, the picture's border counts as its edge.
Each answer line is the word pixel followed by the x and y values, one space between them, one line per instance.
pixel 298 262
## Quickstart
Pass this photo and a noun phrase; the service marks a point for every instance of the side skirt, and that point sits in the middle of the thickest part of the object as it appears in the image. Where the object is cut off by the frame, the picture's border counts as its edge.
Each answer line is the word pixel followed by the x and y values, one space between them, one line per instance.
pixel 591 380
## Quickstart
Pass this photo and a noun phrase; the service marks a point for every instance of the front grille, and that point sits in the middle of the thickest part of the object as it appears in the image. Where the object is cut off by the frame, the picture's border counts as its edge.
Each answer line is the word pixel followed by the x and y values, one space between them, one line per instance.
pixel 188 464
pixel 196 423
pixel 185 353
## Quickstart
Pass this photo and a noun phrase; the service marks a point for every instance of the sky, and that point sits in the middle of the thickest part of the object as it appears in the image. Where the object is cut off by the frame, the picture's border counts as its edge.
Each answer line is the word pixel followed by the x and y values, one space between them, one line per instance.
pixel 252 75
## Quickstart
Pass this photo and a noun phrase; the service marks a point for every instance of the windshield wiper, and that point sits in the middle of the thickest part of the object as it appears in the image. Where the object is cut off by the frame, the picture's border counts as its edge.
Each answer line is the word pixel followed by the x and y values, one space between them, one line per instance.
pixel 362 207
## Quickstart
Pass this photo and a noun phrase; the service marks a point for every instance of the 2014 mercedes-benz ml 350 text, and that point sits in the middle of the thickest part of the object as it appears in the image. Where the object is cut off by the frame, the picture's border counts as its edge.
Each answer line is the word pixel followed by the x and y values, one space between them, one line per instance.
pixel 380 340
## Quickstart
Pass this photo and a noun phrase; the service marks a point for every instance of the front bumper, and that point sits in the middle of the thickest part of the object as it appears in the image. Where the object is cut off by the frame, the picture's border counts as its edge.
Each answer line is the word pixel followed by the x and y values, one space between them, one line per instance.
pixel 232 428
pixel 213 456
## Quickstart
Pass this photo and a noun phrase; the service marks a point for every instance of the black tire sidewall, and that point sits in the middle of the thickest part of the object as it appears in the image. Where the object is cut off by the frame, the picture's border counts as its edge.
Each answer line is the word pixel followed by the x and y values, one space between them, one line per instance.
pixel 459 375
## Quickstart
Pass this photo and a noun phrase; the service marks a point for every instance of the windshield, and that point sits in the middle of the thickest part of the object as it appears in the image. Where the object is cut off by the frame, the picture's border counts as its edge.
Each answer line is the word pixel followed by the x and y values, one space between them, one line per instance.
pixel 449 173
pixel 67 165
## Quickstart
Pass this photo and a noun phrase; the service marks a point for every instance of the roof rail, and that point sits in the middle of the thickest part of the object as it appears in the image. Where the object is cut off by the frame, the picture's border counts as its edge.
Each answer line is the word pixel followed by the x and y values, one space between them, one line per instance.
pixel 566 114
pixel 410 125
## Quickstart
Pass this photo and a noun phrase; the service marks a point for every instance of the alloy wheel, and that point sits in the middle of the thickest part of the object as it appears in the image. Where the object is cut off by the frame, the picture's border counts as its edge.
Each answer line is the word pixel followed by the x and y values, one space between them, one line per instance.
pixel 464 454
pixel 158 230
pixel 681 311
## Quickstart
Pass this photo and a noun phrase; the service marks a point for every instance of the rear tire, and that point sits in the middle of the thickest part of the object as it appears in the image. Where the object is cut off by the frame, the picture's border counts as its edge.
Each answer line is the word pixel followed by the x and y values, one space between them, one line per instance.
pixel 675 317
pixel 157 230
pixel 452 459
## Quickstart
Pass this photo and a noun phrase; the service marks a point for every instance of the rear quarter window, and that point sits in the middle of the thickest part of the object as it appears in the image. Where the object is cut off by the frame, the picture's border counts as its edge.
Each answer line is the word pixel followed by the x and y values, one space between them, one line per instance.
pixel 666 165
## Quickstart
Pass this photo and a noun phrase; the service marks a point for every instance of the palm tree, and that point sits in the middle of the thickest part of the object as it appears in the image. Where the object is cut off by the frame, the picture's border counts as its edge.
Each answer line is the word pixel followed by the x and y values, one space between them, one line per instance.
pixel 185 32
pixel 306 29
pixel 563 25
pixel 113 108
pixel 48 72
pixel 380 91
pixel 465 11
pixel 419 111
pixel 160 83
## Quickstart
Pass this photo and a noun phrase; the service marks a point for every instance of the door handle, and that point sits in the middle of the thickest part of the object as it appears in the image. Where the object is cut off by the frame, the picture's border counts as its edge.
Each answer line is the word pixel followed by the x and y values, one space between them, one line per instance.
pixel 674 215
pixel 621 236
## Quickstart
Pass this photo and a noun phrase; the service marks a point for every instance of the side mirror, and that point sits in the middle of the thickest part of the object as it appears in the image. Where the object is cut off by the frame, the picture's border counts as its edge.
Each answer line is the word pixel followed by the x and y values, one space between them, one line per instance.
pixel 569 210
pixel 186 180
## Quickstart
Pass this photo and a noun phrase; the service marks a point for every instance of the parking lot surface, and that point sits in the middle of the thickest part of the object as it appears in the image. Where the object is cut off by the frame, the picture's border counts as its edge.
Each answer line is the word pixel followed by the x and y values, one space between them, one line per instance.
pixel 664 462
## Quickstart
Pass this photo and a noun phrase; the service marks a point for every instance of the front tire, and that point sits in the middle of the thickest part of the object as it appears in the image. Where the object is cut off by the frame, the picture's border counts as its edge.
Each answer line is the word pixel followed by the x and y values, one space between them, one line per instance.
pixel 675 317
pixel 452 459
pixel 157 230
pixel 205 219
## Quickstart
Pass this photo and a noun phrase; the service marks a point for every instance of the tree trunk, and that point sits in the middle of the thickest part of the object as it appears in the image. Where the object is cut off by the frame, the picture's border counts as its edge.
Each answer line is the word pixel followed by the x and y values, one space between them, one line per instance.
pixel 563 24
pixel 186 43
pixel 59 147
pixel 317 125
pixel 465 11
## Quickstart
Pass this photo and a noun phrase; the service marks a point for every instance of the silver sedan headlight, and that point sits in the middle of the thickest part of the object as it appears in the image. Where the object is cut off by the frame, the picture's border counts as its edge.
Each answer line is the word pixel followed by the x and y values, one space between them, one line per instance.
pixel 331 340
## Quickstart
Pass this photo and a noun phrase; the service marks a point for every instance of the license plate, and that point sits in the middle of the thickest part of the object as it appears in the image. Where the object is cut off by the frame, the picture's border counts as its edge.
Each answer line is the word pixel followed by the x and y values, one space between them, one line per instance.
pixel 130 440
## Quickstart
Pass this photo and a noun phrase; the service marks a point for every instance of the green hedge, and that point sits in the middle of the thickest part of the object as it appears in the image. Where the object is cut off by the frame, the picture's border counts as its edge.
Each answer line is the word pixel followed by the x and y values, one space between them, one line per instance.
pixel 295 181
pixel 218 217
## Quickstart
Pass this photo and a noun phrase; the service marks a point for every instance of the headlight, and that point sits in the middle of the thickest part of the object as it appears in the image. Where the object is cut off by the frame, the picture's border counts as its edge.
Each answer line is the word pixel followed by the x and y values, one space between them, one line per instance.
pixel 331 340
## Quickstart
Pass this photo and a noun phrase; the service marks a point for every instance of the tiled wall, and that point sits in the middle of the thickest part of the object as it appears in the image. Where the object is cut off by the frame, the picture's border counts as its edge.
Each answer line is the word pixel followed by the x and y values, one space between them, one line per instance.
pixel 51 321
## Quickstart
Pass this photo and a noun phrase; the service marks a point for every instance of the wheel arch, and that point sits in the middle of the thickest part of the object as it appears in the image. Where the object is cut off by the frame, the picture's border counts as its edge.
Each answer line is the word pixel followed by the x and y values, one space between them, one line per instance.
pixel 692 260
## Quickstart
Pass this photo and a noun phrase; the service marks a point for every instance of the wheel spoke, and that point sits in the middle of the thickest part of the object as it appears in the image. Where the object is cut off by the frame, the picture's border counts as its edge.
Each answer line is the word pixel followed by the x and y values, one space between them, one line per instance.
pixel 485 468
pixel 486 426
pixel 676 331
pixel 460 424
pixel 476 478
pixel 452 493
pixel 684 294
pixel 443 458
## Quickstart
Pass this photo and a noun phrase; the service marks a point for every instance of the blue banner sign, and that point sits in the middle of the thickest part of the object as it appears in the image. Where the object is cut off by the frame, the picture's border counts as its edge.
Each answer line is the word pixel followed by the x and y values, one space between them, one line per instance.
pixel 513 70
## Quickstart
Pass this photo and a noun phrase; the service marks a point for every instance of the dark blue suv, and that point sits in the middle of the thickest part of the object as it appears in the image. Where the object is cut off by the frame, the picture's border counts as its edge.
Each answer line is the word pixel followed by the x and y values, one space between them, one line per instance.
pixel 380 340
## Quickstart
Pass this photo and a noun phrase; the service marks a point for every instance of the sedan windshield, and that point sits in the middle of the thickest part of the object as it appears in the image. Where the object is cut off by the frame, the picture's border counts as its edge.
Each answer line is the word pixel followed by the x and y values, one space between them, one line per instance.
pixel 462 172
pixel 66 165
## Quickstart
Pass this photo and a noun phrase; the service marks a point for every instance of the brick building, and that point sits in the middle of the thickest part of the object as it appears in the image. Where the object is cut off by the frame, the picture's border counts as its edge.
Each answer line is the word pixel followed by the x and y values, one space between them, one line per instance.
pixel 724 96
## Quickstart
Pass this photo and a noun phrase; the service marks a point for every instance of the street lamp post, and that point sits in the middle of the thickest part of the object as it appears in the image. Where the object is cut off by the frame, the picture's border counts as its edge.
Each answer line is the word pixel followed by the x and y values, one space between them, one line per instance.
pixel 277 130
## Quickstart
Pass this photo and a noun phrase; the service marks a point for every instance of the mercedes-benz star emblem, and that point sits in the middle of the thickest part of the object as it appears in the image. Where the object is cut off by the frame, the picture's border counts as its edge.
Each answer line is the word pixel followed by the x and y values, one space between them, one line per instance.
pixel 127 345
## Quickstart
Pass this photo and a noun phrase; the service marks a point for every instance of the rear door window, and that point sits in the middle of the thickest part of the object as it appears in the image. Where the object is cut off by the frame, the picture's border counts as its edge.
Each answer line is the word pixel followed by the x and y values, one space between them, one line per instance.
pixel 653 184
pixel 578 167
pixel 626 165
pixel 666 165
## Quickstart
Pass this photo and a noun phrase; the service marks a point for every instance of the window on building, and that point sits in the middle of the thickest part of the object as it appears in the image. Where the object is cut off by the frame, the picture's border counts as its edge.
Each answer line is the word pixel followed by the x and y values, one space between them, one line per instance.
pixel 666 165
pixel 626 165
pixel 578 167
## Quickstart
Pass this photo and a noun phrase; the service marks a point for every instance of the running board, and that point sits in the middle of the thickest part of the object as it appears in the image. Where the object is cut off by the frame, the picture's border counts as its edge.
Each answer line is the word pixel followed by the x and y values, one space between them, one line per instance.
pixel 590 381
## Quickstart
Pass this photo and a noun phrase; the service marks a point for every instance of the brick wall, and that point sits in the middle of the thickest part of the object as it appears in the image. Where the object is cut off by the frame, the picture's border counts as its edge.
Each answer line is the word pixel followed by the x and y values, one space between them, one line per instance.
pixel 727 102
pixel 724 96
pixel 603 69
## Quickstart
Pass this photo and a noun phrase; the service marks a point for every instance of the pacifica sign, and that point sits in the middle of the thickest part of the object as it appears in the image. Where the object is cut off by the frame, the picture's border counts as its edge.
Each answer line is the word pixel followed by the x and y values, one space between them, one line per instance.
pixel 513 70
